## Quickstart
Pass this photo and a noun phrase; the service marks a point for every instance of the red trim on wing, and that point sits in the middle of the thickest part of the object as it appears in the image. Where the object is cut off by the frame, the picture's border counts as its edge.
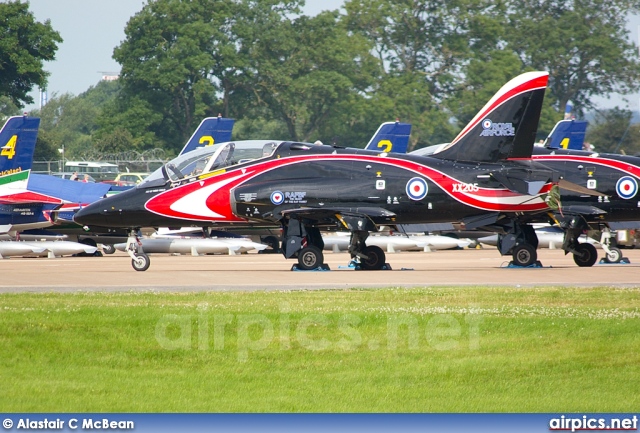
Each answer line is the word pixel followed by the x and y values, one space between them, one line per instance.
pixel 28 197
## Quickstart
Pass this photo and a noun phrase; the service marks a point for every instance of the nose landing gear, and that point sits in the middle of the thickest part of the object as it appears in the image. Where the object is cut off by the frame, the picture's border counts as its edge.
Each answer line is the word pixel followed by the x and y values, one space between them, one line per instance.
pixel 139 260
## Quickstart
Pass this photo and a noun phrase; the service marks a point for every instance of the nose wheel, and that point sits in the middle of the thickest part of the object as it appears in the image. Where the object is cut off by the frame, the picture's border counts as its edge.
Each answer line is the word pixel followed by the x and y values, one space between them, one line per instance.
pixel 614 255
pixel 141 262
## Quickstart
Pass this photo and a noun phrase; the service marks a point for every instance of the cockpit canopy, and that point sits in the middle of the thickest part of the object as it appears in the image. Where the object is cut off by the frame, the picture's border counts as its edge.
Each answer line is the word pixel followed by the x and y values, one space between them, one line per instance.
pixel 209 159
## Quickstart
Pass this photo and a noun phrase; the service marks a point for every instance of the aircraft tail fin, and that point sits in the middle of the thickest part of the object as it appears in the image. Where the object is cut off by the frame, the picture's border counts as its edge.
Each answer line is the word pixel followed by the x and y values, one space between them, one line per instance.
pixel 211 130
pixel 506 126
pixel 567 134
pixel 18 143
pixel 391 137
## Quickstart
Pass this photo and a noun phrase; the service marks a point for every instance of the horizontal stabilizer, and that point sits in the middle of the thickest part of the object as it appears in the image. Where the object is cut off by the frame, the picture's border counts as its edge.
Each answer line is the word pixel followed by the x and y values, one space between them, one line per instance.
pixel 515 181
pixel 570 186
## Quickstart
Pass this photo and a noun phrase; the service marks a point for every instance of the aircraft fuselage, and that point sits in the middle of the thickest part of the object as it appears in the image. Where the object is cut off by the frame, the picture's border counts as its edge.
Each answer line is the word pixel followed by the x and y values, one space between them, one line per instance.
pixel 411 189
pixel 616 176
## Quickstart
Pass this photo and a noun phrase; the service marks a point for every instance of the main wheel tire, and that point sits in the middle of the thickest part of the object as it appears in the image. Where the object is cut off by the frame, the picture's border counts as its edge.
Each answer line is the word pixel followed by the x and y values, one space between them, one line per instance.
pixel 108 249
pixel 375 258
pixel 524 255
pixel 141 262
pixel 310 258
pixel 586 255
pixel 614 255
pixel 272 242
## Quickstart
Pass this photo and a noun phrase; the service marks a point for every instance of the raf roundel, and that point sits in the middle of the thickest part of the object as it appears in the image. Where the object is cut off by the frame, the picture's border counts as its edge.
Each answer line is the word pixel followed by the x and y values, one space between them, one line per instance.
pixel 627 187
pixel 486 123
pixel 417 188
pixel 277 197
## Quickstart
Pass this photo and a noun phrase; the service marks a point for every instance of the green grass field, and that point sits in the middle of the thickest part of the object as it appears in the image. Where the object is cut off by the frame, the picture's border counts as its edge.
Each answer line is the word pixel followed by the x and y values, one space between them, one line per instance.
pixel 472 349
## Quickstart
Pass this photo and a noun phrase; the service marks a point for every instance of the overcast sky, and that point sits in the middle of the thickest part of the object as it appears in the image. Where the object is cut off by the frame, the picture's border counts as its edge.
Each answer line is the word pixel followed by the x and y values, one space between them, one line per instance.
pixel 91 29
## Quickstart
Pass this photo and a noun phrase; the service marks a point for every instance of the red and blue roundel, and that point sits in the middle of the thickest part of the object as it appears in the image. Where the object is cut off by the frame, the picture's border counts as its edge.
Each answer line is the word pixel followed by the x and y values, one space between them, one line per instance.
pixel 627 187
pixel 486 124
pixel 417 188
pixel 277 197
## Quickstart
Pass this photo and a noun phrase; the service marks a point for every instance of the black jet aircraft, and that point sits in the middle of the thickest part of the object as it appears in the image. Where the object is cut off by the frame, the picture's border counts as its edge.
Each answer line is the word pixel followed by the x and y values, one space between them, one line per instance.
pixel 617 206
pixel 484 177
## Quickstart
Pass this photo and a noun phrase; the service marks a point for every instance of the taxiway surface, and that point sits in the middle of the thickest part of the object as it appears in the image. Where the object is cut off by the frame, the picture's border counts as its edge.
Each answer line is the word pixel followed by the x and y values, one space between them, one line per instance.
pixel 272 272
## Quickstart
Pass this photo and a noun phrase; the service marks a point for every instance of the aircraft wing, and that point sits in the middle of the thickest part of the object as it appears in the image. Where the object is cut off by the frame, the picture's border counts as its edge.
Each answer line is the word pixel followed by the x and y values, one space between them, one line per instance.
pixel 624 225
pixel 583 210
pixel 25 197
pixel 351 218
pixel 67 190
pixel 531 182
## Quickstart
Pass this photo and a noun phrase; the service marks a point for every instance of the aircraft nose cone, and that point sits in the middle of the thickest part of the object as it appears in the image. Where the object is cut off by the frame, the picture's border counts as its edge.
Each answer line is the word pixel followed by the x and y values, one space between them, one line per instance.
pixel 92 215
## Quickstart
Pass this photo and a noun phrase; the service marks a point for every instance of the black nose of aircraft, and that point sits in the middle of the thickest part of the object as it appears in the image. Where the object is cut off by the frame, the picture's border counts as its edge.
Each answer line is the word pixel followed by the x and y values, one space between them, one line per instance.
pixel 107 212
pixel 125 210
pixel 93 215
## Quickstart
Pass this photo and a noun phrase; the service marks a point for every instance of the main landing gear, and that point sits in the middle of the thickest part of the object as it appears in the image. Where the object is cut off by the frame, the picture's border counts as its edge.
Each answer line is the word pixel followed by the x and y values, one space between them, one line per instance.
pixel 370 258
pixel 584 254
pixel 521 242
pixel 139 260
pixel 304 242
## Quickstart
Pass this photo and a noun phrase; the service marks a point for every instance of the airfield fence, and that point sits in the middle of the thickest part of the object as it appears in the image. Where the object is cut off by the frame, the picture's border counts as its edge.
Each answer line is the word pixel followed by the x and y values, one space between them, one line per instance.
pixel 128 161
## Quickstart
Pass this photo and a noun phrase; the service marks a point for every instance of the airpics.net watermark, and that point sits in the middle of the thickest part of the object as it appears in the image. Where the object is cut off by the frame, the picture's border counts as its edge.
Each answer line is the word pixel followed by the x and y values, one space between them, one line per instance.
pixel 249 333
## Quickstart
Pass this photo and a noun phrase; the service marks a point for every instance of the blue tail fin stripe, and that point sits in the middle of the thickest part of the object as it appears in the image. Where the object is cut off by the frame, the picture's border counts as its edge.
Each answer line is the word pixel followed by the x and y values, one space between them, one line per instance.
pixel 211 130
pixel 391 137
pixel 18 143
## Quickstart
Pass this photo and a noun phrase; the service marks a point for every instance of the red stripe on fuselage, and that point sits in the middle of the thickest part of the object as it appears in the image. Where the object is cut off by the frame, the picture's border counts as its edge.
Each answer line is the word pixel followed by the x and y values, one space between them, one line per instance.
pixel 623 166
pixel 219 202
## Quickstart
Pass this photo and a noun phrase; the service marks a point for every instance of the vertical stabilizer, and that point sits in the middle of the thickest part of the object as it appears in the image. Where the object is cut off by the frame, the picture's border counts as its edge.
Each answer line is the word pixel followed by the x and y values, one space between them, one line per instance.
pixel 391 137
pixel 210 131
pixel 567 134
pixel 506 126
pixel 18 143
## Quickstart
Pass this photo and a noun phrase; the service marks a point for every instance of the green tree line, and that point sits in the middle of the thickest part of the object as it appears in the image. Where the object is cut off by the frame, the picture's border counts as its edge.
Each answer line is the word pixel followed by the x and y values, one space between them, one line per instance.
pixel 334 76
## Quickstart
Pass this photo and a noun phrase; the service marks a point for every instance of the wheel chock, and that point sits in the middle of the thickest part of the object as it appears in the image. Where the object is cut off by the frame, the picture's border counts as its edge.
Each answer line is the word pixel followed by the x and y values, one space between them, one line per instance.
pixel 537 264
pixel 623 261
pixel 321 268
pixel 353 265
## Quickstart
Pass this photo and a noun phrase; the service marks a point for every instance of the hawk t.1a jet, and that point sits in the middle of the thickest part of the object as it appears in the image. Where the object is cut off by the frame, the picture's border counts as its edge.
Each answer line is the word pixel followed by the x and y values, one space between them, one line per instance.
pixel 484 177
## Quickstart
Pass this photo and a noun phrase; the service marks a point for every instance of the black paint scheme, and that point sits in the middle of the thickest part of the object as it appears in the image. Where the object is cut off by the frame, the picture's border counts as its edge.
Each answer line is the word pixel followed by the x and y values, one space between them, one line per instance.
pixel 485 178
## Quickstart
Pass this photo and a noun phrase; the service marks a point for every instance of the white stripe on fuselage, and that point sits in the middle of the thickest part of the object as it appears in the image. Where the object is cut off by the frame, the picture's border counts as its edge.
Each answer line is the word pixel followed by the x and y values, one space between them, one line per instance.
pixel 195 203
